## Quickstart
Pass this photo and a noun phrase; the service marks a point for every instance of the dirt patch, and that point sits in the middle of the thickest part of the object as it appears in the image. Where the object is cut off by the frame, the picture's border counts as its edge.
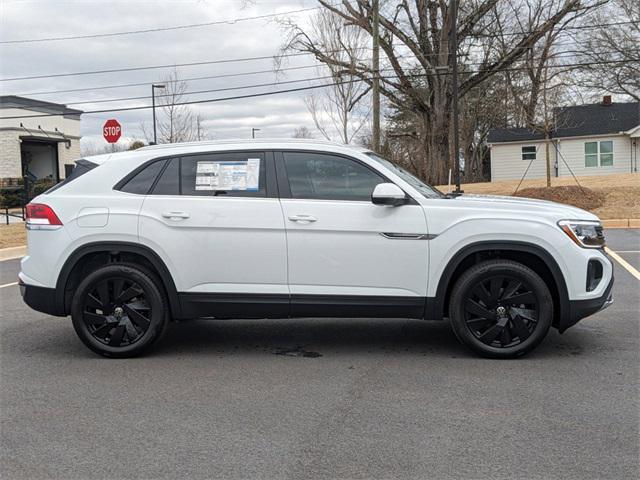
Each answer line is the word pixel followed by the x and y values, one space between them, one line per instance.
pixel 620 203
pixel 584 198
pixel 13 235
pixel 621 191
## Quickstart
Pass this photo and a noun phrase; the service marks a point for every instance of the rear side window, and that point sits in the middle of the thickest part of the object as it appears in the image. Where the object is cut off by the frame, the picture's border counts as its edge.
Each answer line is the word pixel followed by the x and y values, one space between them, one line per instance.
pixel 327 177
pixel 142 182
pixel 81 167
pixel 169 181
pixel 232 174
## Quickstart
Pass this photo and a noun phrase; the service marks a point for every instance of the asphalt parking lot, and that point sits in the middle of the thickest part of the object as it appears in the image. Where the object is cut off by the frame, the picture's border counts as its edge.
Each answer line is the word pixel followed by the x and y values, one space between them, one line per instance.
pixel 322 399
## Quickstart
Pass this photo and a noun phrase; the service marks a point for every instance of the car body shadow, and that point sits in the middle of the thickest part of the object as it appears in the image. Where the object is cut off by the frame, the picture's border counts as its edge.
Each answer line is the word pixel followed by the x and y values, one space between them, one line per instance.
pixel 317 337
pixel 306 338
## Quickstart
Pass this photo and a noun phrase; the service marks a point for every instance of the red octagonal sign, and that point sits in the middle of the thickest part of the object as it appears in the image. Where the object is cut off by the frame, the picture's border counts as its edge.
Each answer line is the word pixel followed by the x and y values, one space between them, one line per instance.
pixel 112 130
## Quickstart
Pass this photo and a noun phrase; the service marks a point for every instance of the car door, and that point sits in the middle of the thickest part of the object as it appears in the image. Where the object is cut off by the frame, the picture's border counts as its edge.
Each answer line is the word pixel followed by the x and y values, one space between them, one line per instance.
pixel 217 222
pixel 347 256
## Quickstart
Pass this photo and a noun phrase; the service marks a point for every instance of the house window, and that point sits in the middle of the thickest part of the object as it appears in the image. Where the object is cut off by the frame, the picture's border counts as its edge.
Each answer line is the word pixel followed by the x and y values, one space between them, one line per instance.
pixel 598 154
pixel 529 153
pixel 591 154
pixel 606 153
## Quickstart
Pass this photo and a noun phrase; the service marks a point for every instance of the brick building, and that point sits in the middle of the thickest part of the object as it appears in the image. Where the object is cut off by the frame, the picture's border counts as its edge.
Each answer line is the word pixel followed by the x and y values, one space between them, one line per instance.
pixel 37 150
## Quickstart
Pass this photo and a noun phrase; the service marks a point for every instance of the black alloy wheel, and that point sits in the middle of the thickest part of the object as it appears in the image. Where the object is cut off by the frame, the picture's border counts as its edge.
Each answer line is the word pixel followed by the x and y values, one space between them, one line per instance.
pixel 500 309
pixel 119 310
pixel 116 312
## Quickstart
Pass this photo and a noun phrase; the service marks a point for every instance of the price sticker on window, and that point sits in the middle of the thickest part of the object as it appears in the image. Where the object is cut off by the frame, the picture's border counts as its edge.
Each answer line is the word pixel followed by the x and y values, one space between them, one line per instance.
pixel 243 175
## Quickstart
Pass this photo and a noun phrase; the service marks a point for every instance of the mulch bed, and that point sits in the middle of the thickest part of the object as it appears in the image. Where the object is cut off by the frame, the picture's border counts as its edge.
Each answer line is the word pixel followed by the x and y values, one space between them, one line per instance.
pixel 584 198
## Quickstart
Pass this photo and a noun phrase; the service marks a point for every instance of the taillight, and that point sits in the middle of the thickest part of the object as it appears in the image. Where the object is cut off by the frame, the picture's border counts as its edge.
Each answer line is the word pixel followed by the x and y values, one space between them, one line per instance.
pixel 41 214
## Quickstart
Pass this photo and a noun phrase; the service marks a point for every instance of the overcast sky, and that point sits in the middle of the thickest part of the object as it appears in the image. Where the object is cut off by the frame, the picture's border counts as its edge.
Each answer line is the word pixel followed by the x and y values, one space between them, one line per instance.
pixel 276 116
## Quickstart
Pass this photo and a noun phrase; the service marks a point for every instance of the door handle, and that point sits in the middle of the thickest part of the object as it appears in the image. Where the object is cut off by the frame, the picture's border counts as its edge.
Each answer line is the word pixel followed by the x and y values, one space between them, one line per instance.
pixel 175 215
pixel 303 218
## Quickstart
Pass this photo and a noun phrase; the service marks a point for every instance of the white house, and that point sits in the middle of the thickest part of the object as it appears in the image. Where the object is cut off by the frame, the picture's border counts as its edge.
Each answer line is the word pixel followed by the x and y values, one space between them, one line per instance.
pixel 595 139
pixel 38 140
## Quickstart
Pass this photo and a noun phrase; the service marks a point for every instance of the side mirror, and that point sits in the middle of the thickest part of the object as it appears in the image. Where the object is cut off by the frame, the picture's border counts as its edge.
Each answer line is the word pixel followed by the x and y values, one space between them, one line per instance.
pixel 388 194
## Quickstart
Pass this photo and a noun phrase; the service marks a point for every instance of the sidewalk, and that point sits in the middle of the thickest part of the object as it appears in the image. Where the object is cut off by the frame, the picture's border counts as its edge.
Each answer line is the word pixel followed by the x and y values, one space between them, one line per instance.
pixel 12 252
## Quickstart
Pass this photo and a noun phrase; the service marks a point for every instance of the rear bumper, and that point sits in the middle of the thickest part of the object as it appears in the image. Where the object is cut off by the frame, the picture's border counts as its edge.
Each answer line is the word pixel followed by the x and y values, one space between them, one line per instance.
pixel 579 309
pixel 41 299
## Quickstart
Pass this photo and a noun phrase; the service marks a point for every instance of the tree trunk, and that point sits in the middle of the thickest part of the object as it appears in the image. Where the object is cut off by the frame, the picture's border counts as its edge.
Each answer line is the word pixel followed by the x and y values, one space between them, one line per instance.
pixel 434 136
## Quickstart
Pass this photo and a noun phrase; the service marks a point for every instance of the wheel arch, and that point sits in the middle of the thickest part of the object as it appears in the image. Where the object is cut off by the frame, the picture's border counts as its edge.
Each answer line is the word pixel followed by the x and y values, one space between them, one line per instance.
pixel 86 253
pixel 531 255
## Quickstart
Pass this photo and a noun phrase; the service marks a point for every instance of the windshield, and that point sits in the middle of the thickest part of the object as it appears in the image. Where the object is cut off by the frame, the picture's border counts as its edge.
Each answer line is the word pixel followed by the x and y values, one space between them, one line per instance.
pixel 425 189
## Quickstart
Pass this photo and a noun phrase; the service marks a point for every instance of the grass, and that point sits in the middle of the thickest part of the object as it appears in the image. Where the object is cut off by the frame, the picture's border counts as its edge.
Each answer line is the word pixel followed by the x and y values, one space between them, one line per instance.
pixel 13 235
pixel 619 193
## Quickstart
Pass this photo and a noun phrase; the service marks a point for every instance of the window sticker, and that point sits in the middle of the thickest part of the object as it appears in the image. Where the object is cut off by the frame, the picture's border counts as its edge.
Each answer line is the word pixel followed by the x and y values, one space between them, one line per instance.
pixel 228 175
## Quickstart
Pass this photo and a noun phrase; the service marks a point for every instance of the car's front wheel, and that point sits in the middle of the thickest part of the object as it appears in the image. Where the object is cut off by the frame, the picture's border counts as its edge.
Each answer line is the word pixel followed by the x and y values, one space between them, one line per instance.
pixel 500 309
pixel 119 310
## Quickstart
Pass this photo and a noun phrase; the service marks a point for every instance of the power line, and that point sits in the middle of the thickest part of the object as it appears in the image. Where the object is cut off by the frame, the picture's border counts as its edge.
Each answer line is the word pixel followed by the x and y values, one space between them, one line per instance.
pixel 146 84
pixel 191 102
pixel 140 84
pixel 195 92
pixel 290 90
pixel 283 82
pixel 244 19
pixel 159 29
pixel 154 67
pixel 571 27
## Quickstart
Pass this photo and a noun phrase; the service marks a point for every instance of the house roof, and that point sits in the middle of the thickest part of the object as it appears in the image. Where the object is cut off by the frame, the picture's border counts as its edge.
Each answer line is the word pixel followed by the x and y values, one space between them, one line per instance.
pixel 499 135
pixel 14 101
pixel 578 121
pixel 596 119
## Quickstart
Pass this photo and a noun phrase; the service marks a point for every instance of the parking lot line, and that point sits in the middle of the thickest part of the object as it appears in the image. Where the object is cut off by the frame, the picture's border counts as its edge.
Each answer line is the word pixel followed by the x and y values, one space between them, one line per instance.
pixel 623 263
pixel 8 285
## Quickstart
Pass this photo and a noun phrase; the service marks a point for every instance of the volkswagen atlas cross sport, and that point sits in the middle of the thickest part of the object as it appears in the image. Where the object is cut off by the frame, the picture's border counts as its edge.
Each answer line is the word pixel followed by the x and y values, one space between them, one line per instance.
pixel 289 229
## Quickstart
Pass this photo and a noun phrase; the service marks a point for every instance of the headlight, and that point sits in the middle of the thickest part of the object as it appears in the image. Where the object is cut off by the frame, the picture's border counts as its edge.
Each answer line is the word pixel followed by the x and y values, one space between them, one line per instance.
pixel 587 234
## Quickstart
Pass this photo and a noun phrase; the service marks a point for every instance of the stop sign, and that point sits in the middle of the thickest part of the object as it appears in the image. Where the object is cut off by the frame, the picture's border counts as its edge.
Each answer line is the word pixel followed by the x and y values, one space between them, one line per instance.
pixel 111 131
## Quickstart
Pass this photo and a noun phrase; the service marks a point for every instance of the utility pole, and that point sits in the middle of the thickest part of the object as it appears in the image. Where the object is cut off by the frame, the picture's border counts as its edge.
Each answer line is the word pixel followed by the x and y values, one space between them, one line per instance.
pixel 453 50
pixel 375 66
pixel 547 129
pixel 253 132
pixel 153 103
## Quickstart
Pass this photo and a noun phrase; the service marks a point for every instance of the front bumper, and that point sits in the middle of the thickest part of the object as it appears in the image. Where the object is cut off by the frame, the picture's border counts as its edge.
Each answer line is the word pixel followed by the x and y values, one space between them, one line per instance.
pixel 579 309
pixel 40 298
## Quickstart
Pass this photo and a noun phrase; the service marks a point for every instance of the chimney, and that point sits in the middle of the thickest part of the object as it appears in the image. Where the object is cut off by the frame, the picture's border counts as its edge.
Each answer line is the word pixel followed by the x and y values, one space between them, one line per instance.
pixel 606 100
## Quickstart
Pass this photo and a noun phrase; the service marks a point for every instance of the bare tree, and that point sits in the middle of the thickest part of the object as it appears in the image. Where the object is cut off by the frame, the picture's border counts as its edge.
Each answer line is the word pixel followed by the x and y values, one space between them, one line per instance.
pixel 414 42
pixel 176 122
pixel 302 132
pixel 338 111
pixel 540 78
pixel 617 45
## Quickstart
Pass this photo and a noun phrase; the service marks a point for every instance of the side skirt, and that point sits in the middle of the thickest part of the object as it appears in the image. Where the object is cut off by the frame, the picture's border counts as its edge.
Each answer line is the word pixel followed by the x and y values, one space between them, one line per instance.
pixel 240 305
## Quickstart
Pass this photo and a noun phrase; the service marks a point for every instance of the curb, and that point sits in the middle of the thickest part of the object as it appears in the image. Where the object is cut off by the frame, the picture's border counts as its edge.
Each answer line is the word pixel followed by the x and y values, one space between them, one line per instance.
pixel 622 223
pixel 12 253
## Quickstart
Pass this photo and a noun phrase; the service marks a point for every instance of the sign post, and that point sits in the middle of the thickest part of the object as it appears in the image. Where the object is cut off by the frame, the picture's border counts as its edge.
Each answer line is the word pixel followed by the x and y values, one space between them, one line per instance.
pixel 112 130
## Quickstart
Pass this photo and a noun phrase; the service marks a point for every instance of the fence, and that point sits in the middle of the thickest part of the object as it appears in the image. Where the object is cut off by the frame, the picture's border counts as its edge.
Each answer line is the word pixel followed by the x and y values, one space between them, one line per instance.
pixel 15 193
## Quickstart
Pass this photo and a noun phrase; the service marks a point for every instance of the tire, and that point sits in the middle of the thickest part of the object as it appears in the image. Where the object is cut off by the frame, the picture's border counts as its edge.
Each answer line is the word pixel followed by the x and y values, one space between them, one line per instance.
pixel 500 309
pixel 119 310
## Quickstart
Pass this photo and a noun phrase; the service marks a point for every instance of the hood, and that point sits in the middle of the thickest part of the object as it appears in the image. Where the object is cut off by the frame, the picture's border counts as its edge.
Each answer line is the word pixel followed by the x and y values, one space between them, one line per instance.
pixel 523 206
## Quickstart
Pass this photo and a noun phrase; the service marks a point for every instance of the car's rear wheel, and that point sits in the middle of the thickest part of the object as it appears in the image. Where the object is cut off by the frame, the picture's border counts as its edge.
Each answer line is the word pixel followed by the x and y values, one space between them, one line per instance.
pixel 501 309
pixel 119 310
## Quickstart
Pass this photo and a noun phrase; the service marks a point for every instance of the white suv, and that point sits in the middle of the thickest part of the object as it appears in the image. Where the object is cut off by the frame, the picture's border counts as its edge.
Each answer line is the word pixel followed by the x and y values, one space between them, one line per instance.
pixel 278 229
